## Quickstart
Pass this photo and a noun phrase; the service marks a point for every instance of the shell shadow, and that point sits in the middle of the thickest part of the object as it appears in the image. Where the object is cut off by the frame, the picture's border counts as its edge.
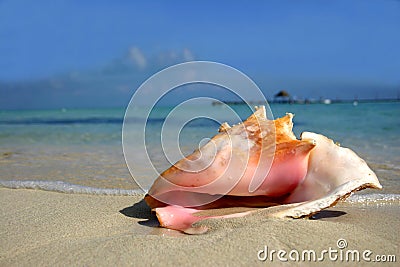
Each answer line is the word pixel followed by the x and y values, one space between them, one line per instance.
pixel 324 214
pixel 140 210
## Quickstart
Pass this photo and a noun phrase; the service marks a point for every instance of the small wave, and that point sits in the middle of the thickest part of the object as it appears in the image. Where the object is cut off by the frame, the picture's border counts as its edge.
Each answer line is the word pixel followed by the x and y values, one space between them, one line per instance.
pixel 64 121
pixel 374 199
pixel 93 120
pixel 63 187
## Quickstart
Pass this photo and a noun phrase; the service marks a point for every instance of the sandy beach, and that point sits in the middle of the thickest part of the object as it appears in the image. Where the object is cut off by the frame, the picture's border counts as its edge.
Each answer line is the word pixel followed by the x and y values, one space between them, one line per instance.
pixel 50 228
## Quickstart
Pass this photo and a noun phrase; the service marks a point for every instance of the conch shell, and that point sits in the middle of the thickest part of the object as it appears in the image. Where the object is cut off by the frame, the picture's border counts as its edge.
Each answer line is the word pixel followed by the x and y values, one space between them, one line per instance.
pixel 258 163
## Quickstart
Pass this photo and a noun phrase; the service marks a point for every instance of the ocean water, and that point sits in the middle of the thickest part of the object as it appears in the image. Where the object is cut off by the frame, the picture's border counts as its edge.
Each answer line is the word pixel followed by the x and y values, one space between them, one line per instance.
pixel 80 150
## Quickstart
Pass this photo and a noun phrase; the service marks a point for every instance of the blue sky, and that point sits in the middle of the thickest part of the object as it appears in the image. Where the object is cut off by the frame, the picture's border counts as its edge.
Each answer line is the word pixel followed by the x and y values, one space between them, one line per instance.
pixel 96 53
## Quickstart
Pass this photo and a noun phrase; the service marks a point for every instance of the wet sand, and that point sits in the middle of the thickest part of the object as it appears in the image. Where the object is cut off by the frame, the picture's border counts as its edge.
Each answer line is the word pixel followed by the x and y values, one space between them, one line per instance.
pixel 49 228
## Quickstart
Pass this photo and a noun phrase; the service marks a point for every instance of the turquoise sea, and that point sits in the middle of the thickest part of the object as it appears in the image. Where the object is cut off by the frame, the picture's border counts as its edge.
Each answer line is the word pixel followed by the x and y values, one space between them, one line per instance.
pixel 80 150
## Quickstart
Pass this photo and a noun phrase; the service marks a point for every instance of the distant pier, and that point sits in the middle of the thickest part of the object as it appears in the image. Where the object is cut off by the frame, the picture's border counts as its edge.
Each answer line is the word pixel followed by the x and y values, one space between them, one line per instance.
pixel 308 101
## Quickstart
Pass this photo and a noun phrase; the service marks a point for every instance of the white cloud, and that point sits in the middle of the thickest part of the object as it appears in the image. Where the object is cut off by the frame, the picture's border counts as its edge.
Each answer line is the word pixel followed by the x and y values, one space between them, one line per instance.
pixel 137 57
pixel 187 55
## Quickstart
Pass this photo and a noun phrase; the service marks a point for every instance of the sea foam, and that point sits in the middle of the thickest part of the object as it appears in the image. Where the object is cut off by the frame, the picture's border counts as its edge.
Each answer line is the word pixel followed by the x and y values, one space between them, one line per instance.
pixel 374 199
pixel 63 187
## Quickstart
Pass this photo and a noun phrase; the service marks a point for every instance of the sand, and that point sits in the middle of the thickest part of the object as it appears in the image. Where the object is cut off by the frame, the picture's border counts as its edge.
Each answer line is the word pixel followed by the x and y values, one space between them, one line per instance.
pixel 53 229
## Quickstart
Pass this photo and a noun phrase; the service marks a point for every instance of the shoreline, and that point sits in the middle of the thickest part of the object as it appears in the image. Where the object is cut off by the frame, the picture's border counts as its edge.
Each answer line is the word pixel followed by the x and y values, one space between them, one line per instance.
pixel 49 228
